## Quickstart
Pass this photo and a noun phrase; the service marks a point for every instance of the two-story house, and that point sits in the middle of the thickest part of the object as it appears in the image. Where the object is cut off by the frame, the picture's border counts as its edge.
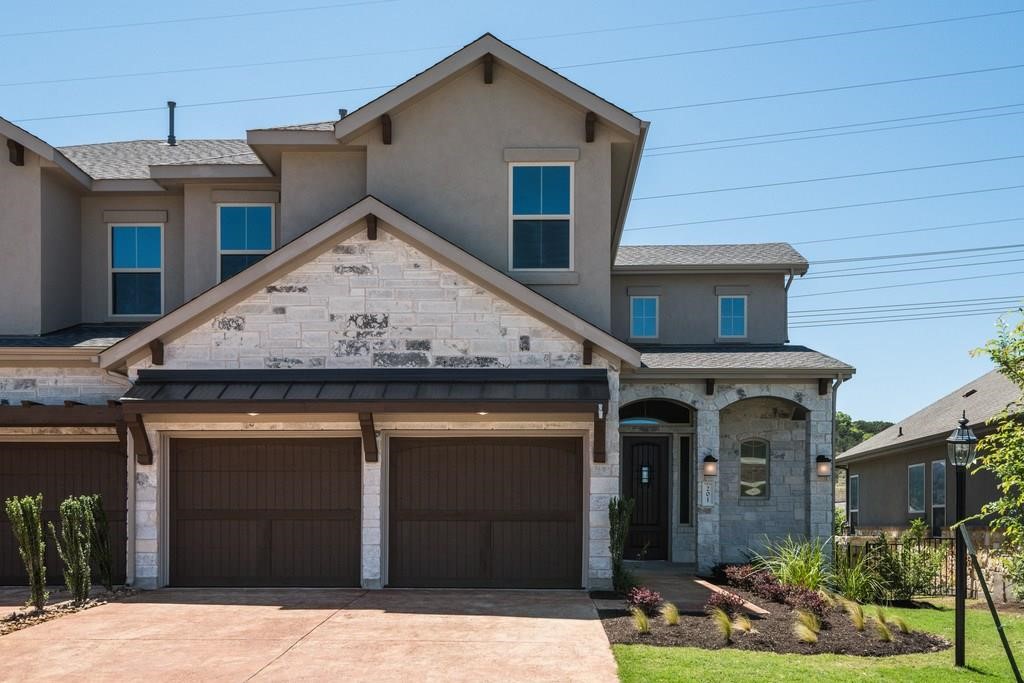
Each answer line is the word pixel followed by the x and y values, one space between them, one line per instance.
pixel 401 348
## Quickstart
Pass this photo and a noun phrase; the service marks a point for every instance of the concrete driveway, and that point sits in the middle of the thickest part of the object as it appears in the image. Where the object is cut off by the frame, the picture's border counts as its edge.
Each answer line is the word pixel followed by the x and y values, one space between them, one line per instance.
pixel 324 634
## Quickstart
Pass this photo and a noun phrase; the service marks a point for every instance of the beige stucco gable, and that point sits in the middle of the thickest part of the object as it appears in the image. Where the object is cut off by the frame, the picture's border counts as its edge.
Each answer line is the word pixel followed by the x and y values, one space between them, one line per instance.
pixel 320 259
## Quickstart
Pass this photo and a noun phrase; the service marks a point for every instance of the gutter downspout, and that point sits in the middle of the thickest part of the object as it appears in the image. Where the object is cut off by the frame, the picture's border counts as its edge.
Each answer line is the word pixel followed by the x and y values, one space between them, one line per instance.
pixel 789 280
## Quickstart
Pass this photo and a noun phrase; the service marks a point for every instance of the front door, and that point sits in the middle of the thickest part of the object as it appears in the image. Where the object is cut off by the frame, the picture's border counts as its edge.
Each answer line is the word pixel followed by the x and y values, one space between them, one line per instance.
pixel 645 478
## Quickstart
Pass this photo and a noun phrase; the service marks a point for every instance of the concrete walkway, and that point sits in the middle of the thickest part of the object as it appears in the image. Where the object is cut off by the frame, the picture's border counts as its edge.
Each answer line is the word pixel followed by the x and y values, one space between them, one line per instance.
pixel 235 635
pixel 675 582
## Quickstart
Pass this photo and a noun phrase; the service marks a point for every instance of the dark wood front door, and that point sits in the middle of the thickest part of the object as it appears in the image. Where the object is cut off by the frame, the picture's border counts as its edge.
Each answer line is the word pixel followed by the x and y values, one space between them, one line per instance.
pixel 58 470
pixel 264 512
pixel 645 479
pixel 485 512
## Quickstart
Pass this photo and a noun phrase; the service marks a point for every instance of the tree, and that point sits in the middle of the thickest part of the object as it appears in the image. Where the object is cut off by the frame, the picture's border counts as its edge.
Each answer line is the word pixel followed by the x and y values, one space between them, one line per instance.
pixel 850 432
pixel 1001 452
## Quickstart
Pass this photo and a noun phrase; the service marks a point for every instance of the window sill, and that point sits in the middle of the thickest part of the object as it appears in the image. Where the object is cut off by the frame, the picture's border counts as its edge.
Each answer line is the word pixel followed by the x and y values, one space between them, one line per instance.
pixel 732 340
pixel 540 277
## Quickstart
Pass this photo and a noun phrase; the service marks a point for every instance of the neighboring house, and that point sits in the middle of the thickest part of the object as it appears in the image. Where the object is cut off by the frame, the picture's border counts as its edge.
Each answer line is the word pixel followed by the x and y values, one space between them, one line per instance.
pixel 403 348
pixel 903 473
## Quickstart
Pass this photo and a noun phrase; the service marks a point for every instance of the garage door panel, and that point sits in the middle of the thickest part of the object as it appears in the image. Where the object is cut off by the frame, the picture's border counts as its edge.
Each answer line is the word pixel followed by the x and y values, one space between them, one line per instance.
pixel 485 512
pixel 58 470
pixel 265 512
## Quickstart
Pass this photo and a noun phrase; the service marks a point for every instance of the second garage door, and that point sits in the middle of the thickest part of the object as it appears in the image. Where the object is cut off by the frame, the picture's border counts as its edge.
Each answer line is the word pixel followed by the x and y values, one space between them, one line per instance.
pixel 485 512
pixel 264 512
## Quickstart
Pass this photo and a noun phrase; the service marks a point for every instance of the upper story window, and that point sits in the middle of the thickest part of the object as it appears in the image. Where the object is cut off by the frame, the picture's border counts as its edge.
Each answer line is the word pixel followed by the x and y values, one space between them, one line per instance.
pixel 643 317
pixel 245 234
pixel 754 469
pixel 541 234
pixel 732 316
pixel 136 269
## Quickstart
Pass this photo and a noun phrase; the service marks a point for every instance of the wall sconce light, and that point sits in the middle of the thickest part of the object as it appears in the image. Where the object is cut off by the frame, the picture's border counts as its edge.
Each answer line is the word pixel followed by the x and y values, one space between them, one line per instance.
pixel 482 412
pixel 252 414
pixel 824 465
pixel 710 466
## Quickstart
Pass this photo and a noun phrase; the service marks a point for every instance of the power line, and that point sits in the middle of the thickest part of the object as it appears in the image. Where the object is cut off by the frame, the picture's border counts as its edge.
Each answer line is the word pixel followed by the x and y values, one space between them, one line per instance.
pixel 911 230
pixel 884 308
pixel 784 41
pixel 183 20
pixel 900 319
pixel 333 57
pixel 831 135
pixel 845 125
pixel 898 315
pixel 827 208
pixel 873 270
pixel 912 270
pixel 912 254
pixel 832 89
pixel 828 178
pixel 907 284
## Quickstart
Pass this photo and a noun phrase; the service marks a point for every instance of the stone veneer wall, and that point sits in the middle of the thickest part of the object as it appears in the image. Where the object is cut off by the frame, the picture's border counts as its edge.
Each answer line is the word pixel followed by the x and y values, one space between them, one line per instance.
pixel 55 385
pixel 379 303
pixel 816 494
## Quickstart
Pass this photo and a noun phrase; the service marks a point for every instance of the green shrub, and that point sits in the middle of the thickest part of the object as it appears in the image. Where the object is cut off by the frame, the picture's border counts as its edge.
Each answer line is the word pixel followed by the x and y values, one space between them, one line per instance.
pixel 102 556
pixel 797 562
pixel 74 544
pixel 25 515
pixel 838 521
pixel 620 512
pixel 906 569
pixel 855 576
pixel 1013 565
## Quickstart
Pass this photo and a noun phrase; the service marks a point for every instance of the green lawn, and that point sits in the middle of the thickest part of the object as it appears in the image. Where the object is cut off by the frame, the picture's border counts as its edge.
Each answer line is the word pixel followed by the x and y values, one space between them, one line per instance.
pixel 985 658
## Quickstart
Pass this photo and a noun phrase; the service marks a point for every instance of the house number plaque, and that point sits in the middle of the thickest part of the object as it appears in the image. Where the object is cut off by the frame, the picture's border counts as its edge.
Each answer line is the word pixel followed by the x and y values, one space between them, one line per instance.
pixel 707 493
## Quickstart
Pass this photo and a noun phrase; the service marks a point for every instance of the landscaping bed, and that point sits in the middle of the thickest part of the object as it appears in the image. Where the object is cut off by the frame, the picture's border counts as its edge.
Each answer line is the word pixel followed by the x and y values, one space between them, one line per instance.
pixel 773 633
pixel 27 616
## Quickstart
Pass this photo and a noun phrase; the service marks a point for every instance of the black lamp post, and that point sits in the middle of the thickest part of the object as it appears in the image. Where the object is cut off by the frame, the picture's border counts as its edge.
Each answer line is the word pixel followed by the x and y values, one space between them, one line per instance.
pixel 961 447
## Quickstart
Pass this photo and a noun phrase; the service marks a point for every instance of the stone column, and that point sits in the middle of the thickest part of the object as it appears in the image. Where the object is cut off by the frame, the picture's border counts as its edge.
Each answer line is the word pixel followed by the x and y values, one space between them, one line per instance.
pixel 604 484
pixel 147 516
pixel 708 530
pixel 820 489
pixel 371 530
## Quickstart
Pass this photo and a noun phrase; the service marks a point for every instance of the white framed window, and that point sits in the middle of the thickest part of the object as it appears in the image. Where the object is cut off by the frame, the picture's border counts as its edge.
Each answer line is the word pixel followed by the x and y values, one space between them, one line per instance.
pixel 245 234
pixel 540 216
pixel 643 317
pixel 136 260
pixel 853 500
pixel 732 316
pixel 915 488
pixel 938 524
pixel 754 456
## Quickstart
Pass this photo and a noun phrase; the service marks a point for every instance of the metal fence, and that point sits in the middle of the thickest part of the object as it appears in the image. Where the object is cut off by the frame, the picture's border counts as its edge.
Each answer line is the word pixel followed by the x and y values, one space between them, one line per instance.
pixel 944 582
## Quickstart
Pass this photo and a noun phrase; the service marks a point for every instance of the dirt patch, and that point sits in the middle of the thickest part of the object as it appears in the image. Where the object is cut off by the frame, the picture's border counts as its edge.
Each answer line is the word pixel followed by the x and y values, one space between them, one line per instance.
pixel 25 617
pixel 772 633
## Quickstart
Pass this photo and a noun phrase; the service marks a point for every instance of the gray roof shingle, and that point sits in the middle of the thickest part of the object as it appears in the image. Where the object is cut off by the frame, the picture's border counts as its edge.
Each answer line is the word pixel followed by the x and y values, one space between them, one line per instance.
pixel 748 357
pixel 982 399
pixel 318 125
pixel 711 255
pixel 132 159
pixel 98 335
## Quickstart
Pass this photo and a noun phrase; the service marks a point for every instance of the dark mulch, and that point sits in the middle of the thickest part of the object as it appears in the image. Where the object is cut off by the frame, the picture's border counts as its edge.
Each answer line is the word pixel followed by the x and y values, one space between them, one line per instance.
pixel 59 606
pixel 774 633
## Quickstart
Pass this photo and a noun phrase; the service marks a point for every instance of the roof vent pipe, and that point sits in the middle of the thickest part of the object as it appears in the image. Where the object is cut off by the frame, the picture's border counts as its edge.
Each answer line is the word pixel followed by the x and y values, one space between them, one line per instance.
pixel 171 140
pixel 342 113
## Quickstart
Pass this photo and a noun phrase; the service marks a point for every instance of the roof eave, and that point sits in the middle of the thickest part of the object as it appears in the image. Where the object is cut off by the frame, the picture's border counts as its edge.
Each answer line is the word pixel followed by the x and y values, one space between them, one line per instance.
pixel 781 268
pixel 627 194
pixel 937 438
pixel 45 151
pixel 58 357
pixel 209 171
pixel 648 373
pixel 291 137
pixel 127 185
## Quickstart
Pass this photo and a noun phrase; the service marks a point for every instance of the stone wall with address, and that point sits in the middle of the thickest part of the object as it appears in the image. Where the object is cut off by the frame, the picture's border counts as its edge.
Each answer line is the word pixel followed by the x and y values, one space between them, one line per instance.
pixel 381 304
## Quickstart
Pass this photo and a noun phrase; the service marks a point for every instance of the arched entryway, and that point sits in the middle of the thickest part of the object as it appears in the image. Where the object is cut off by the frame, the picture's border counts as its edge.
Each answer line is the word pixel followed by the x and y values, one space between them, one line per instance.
pixel 657 472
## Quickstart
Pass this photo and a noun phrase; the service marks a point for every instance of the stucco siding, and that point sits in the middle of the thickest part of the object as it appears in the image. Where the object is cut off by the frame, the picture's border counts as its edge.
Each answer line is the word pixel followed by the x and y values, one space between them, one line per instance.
pixel 21 237
pixel 689 306
pixel 61 266
pixel 317 185
pixel 445 169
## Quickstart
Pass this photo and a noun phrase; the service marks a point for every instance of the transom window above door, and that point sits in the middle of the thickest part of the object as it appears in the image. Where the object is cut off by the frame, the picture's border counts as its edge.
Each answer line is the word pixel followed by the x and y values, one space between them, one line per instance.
pixel 245 234
pixel 541 231
pixel 136 270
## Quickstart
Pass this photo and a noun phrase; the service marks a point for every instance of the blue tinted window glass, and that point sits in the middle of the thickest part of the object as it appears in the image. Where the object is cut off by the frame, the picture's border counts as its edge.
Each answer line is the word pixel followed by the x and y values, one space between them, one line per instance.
pixel 232 227
pixel 733 317
pixel 540 244
pixel 555 190
pixel 644 317
pixel 122 247
pixel 259 227
pixel 526 190
pixel 136 293
pixel 233 264
pixel 147 241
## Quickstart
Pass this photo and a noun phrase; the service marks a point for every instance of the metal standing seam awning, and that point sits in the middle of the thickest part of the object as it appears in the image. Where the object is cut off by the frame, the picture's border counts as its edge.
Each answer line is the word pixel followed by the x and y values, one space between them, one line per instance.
pixel 366 391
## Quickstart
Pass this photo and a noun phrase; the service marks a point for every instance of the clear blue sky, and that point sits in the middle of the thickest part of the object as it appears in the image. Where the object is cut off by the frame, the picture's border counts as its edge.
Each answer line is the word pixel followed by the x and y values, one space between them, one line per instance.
pixel 901 365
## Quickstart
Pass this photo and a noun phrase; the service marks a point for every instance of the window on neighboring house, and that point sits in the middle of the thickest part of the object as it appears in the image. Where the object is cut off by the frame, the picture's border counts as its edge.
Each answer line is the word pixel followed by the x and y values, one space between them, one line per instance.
pixel 732 316
pixel 938 498
pixel 643 317
pixel 754 469
pixel 245 234
pixel 136 269
pixel 853 500
pixel 915 489
pixel 542 214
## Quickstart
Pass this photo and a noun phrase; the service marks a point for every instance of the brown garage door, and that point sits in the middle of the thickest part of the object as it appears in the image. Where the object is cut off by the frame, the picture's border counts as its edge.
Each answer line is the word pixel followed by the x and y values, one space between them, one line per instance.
pixel 485 512
pixel 264 512
pixel 58 470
